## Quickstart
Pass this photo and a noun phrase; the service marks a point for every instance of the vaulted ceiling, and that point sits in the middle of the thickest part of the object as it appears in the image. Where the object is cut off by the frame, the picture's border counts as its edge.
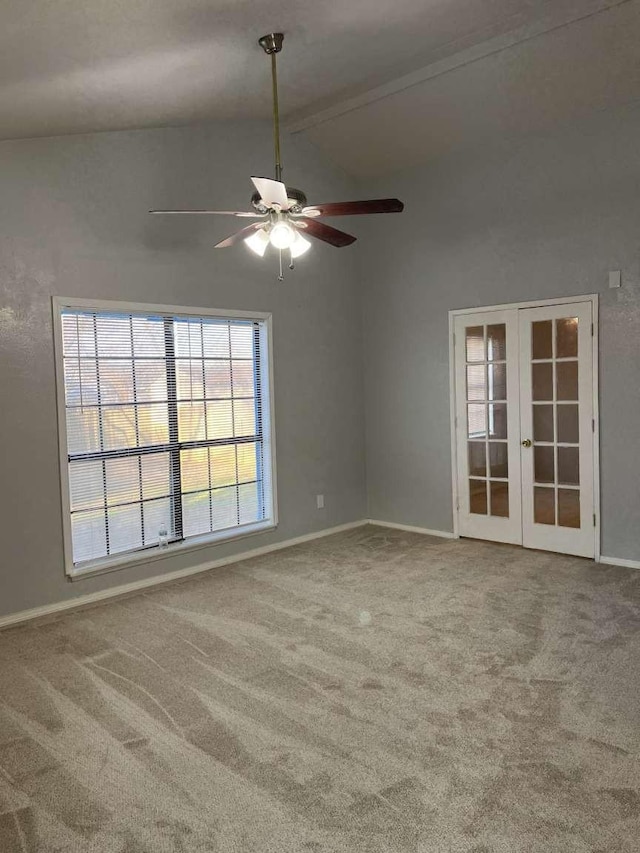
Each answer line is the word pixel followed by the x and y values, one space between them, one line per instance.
pixel 376 83
pixel 530 82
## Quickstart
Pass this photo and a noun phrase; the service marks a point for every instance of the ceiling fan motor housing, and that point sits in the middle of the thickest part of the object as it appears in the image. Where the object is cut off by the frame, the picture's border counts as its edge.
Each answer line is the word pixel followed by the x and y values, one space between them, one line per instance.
pixel 297 200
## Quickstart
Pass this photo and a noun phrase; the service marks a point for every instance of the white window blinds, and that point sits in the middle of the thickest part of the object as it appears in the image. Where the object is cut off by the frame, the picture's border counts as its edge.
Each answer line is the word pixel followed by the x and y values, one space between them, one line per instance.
pixel 167 429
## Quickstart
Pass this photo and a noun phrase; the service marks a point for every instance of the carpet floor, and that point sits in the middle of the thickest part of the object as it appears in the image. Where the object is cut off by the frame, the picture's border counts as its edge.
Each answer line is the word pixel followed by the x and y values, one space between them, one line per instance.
pixel 371 692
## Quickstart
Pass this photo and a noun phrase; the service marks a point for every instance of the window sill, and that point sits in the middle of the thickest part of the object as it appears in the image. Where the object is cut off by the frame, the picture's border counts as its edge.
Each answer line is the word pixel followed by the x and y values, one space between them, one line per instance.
pixel 151 555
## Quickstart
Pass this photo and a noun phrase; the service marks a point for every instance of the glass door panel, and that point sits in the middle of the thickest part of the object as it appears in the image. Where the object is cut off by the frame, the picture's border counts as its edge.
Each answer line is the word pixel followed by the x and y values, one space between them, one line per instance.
pixel 487 380
pixel 556 411
pixel 487 429
pixel 554 353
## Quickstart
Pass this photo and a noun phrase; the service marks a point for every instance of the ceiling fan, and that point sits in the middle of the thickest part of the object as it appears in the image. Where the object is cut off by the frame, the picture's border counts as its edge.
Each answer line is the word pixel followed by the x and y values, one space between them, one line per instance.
pixel 284 219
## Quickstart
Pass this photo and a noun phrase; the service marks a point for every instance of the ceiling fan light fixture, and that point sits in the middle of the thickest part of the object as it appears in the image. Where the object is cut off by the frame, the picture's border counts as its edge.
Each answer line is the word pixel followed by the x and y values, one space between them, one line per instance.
pixel 282 235
pixel 300 246
pixel 258 242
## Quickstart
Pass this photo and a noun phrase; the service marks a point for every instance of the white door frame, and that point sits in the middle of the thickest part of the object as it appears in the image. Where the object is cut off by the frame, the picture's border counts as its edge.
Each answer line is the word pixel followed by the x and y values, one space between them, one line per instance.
pixel 537 303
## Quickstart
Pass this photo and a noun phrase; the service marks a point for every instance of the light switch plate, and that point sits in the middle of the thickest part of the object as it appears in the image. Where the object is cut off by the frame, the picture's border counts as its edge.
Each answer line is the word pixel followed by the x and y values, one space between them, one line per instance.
pixel 615 278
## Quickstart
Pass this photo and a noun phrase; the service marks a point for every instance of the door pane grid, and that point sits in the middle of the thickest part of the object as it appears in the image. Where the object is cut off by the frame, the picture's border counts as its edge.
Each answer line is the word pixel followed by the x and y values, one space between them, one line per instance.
pixel 486 408
pixel 548 360
pixel 556 498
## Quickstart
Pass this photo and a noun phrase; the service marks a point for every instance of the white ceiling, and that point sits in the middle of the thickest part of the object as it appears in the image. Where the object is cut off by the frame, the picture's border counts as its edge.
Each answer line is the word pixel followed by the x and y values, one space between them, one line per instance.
pixel 79 65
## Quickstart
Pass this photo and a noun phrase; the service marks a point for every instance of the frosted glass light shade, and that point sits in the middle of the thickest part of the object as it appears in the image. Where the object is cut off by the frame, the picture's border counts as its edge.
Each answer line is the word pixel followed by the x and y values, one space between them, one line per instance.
pixel 258 242
pixel 299 246
pixel 282 235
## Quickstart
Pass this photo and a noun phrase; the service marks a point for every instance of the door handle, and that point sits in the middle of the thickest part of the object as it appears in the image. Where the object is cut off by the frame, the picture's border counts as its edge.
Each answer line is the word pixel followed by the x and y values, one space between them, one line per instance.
pixel 526 442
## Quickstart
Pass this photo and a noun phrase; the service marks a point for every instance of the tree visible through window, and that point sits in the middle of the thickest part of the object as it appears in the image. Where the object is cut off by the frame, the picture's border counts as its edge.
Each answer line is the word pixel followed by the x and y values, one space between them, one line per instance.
pixel 167 429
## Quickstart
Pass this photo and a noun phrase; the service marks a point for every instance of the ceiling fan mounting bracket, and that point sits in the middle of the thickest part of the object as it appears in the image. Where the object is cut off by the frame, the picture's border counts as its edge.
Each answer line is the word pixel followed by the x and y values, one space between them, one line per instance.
pixel 271 43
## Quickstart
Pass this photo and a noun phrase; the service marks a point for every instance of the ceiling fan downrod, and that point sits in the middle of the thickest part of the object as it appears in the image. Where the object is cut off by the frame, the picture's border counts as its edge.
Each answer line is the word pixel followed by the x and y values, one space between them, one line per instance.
pixel 272 45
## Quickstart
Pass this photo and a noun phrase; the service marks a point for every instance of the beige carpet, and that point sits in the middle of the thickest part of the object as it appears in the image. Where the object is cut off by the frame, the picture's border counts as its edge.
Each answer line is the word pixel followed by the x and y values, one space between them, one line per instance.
pixel 373 691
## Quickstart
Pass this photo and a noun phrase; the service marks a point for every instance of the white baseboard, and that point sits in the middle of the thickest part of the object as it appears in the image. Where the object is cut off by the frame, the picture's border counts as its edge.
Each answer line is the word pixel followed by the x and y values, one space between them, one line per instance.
pixel 618 561
pixel 124 589
pixel 81 601
pixel 443 534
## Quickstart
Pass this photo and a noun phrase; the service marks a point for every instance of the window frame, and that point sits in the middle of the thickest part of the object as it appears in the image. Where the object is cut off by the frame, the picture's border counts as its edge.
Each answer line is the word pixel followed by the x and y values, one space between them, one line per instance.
pixel 174 549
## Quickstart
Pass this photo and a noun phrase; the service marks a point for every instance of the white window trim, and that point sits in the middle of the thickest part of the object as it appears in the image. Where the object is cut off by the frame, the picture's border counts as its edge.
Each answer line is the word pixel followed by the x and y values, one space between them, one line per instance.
pixel 130 559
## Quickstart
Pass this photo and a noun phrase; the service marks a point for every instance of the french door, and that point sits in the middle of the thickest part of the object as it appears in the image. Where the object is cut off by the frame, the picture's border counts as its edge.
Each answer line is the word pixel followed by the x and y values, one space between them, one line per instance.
pixel 524 426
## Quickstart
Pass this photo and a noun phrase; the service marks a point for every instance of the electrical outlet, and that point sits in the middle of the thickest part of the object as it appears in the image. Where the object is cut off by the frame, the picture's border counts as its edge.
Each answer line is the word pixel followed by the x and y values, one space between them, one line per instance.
pixel 320 501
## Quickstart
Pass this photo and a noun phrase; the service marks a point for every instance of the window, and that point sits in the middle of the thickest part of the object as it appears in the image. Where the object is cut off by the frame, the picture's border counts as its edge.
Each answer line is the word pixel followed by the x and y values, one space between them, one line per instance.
pixel 166 430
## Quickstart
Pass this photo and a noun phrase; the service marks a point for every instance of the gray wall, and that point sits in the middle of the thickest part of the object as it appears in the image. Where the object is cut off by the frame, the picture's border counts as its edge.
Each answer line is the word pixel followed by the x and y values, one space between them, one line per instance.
pixel 73 222
pixel 528 219
pixel 539 218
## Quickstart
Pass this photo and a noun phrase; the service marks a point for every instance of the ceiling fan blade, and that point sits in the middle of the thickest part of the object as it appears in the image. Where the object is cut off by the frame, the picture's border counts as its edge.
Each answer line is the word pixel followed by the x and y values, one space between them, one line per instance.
pixel 212 212
pixel 239 235
pixel 355 208
pixel 325 232
pixel 272 192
